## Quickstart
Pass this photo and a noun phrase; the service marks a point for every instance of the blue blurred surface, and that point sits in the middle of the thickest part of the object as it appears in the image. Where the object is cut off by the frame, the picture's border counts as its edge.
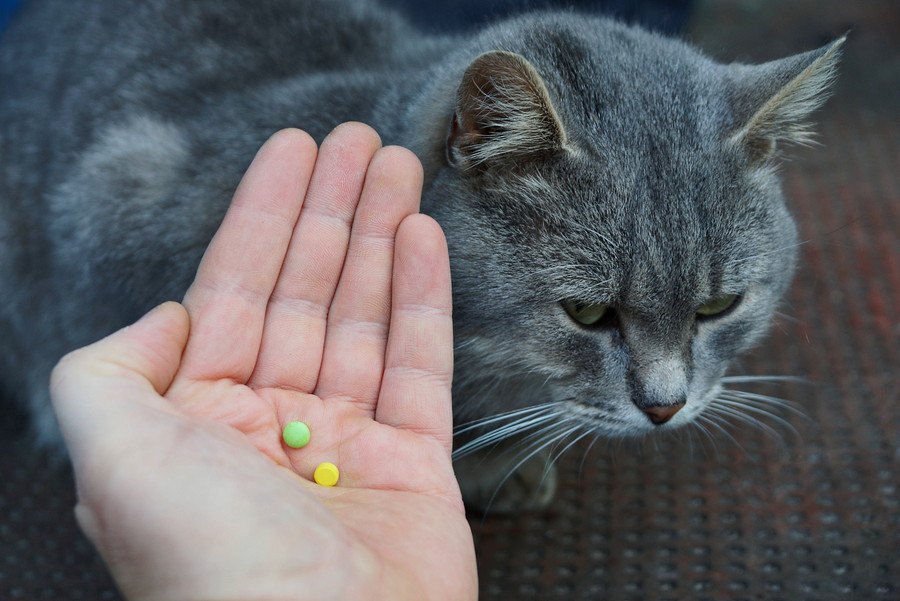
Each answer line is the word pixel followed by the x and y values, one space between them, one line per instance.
pixel 668 16
pixel 7 8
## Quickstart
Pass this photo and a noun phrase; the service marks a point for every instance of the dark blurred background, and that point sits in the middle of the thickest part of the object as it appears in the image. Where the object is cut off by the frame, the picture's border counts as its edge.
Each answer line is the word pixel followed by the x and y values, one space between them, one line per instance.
pixel 807 516
pixel 667 16
pixel 7 7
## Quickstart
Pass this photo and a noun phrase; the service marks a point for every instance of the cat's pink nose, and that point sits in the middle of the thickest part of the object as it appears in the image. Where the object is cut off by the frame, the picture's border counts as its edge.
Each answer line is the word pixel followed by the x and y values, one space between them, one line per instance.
pixel 662 413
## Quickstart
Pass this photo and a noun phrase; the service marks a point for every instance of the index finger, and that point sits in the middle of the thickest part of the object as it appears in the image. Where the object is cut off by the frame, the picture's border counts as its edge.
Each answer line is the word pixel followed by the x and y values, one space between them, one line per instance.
pixel 228 298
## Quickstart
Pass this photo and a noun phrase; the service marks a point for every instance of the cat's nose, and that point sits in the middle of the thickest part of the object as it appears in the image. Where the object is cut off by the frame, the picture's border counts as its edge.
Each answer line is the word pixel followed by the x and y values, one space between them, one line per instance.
pixel 660 414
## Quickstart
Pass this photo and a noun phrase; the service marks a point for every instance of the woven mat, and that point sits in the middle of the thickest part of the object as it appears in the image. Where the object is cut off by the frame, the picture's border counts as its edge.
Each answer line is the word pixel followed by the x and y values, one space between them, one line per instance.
pixel 772 514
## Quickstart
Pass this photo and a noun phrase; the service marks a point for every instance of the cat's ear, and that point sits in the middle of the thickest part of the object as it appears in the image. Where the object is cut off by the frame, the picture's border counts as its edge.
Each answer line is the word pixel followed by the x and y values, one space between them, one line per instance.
pixel 503 113
pixel 773 101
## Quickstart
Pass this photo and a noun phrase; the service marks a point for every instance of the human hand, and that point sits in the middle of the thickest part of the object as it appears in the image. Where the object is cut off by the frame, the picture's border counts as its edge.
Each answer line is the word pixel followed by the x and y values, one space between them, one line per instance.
pixel 337 315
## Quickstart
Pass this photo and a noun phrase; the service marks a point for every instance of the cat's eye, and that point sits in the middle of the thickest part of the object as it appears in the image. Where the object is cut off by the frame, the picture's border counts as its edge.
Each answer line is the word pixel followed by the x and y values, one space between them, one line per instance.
pixel 718 306
pixel 585 314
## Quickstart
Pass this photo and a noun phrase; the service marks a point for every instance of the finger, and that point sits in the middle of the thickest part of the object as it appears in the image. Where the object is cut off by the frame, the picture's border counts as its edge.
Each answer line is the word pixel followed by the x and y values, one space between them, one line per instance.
pixel 96 388
pixel 294 334
pixel 227 301
pixel 415 389
pixel 358 320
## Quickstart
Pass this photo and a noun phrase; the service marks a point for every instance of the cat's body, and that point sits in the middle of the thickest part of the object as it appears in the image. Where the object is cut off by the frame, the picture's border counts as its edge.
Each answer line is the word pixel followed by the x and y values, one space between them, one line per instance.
pixel 587 162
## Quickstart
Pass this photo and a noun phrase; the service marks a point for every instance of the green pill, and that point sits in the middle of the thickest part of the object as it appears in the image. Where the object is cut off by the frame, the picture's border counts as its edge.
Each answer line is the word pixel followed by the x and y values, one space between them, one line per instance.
pixel 296 435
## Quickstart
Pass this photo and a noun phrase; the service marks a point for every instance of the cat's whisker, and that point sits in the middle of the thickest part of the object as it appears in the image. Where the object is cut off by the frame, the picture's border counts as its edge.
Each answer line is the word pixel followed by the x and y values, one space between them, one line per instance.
pixel 551 438
pixel 586 453
pixel 687 433
pixel 495 436
pixel 762 378
pixel 765 400
pixel 750 420
pixel 758 411
pixel 521 440
pixel 525 421
pixel 765 408
pixel 484 421
pixel 693 430
pixel 713 418
pixel 553 459
pixel 512 421
pixel 617 448
pixel 721 421
pixel 559 454
pixel 699 425
pixel 547 379
pixel 786 317
pixel 526 440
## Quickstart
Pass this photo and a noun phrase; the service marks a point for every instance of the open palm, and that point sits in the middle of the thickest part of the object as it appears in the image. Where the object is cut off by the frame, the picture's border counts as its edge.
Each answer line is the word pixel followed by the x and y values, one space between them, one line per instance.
pixel 323 298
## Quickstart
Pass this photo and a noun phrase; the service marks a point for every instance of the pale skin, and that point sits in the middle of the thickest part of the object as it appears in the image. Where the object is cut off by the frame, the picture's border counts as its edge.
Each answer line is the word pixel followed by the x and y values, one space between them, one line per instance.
pixel 324 297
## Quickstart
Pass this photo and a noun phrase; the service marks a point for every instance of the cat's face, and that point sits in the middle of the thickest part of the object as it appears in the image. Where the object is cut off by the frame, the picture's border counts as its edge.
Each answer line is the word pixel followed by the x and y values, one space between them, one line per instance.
pixel 612 291
pixel 615 247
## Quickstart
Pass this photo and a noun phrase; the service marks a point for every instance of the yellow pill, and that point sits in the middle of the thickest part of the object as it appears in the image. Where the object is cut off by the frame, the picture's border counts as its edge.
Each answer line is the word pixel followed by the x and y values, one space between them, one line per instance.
pixel 326 474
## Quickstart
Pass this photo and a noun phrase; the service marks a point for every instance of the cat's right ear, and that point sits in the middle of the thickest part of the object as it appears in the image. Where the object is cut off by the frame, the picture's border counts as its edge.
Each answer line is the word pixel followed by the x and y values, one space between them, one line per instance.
pixel 503 114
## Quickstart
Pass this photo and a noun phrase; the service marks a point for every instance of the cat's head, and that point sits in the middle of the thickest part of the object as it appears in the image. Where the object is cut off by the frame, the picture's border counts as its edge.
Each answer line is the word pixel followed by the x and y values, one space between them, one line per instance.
pixel 615 220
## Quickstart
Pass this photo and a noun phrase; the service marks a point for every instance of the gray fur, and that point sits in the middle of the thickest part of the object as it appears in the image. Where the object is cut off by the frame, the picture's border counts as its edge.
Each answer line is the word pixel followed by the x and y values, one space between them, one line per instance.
pixel 126 125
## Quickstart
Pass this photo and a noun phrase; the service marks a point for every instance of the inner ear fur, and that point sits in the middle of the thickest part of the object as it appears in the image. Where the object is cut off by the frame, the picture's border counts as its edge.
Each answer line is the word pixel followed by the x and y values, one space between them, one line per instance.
pixel 503 113
pixel 773 101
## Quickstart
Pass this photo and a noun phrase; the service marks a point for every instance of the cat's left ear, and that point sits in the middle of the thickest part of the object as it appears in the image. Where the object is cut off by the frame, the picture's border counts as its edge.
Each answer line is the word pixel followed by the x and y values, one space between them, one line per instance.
pixel 772 102
pixel 503 114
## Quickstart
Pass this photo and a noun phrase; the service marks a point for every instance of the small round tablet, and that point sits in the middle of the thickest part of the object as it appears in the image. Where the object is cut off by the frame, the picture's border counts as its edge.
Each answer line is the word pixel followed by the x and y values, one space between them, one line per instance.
pixel 326 474
pixel 296 435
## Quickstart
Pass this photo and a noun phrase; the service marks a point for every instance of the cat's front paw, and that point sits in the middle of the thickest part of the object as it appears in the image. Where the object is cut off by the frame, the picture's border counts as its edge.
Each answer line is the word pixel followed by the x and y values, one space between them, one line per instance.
pixel 491 481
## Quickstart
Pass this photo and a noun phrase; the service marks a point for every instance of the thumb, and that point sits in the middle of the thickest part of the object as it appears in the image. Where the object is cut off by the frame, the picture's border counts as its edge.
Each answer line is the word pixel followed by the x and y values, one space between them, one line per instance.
pixel 150 349
pixel 89 387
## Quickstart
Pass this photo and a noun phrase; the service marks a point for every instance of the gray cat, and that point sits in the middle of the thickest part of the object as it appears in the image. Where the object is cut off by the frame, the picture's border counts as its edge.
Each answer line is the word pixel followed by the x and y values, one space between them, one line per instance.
pixel 616 225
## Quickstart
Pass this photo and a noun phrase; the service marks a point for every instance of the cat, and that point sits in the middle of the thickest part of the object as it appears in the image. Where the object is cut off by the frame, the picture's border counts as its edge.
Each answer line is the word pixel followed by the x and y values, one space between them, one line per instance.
pixel 610 197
